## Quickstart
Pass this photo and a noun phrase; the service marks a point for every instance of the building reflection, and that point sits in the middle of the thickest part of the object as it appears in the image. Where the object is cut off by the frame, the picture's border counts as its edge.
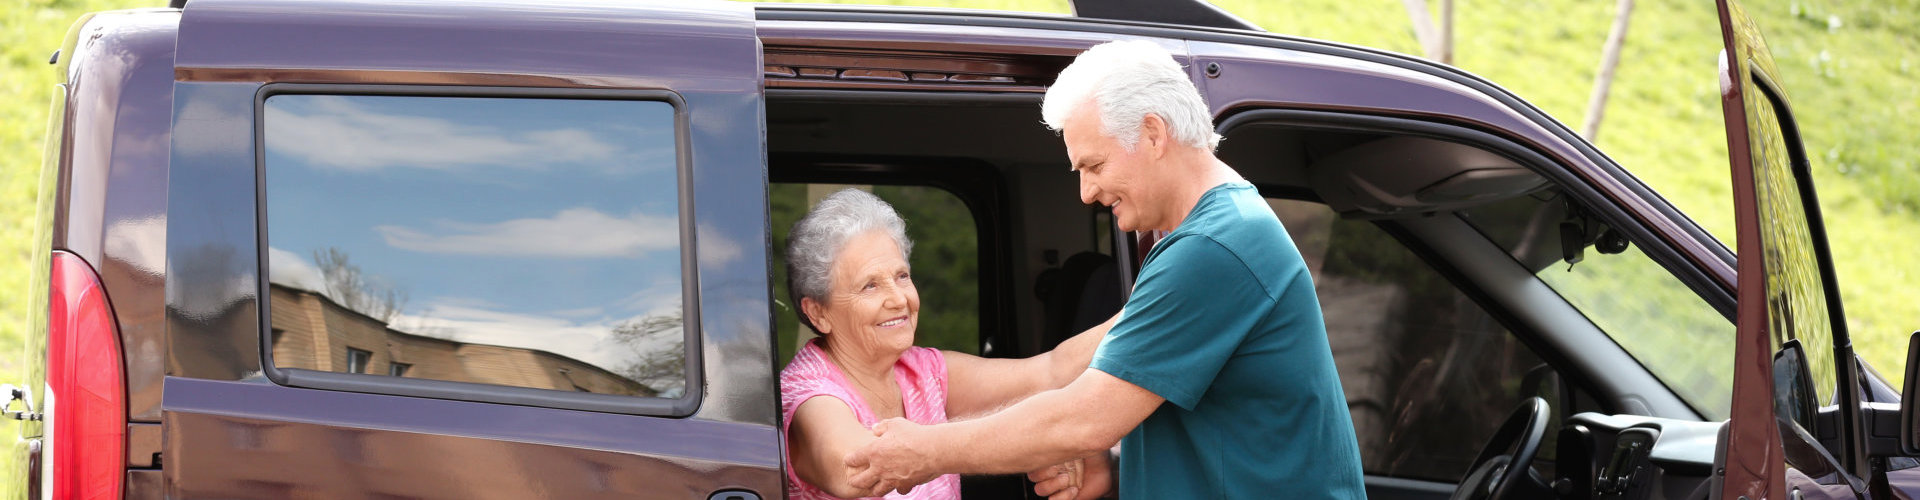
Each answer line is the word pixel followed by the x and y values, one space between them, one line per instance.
pixel 313 332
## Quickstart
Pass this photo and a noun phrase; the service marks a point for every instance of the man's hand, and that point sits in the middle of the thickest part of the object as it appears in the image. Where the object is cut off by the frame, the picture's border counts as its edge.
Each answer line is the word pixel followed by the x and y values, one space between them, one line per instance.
pixel 1090 477
pixel 897 459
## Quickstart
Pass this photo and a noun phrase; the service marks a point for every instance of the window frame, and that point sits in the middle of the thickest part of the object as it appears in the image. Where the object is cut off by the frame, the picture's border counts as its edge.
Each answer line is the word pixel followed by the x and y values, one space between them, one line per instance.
pixel 683 406
pixel 1847 443
pixel 1613 393
pixel 976 183
pixel 358 360
pixel 1557 173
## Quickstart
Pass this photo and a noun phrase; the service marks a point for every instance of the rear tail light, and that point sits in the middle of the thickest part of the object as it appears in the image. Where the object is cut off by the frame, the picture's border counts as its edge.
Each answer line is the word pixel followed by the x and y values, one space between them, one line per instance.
pixel 86 407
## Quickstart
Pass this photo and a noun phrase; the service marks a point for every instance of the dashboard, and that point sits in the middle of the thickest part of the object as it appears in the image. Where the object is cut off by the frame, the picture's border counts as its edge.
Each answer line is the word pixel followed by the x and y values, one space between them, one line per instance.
pixel 1634 458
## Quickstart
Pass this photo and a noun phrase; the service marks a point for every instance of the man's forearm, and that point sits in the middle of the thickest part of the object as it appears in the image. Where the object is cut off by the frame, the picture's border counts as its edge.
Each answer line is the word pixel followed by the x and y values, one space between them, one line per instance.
pixel 1085 417
pixel 1046 429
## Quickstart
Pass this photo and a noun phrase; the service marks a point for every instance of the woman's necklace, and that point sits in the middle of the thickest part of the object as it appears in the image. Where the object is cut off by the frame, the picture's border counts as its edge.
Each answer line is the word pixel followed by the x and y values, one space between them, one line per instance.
pixel 883 401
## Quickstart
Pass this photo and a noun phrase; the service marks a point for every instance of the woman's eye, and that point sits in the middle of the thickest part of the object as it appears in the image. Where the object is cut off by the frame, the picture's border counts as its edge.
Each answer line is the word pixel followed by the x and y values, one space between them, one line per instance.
pixel 904 277
pixel 869 286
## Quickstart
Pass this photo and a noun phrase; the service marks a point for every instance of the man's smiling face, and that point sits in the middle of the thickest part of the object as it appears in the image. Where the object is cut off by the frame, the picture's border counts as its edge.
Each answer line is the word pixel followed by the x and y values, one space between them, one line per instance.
pixel 1110 174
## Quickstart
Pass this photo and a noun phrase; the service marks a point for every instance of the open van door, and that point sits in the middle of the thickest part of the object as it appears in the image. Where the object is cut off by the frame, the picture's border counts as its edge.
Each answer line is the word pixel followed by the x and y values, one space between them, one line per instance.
pixel 1795 429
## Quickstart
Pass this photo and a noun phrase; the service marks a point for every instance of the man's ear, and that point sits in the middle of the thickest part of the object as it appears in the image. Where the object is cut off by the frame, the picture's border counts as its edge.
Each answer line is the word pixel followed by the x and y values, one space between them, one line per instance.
pixel 816 314
pixel 1154 135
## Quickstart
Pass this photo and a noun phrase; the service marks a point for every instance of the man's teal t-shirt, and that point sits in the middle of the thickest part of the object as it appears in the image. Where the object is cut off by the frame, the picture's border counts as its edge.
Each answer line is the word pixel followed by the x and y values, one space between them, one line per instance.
pixel 1223 323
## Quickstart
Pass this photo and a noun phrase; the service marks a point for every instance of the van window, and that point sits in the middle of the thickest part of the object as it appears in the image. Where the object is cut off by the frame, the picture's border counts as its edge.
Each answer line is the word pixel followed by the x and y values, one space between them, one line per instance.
pixel 507 241
pixel 1428 374
pixel 1667 327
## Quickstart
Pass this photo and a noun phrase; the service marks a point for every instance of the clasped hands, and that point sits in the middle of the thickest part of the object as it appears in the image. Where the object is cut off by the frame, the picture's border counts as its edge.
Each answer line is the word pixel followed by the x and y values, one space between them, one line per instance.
pixel 897 459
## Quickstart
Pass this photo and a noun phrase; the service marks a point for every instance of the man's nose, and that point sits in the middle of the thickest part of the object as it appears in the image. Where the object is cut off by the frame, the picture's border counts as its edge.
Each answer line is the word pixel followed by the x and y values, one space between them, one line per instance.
pixel 1087 191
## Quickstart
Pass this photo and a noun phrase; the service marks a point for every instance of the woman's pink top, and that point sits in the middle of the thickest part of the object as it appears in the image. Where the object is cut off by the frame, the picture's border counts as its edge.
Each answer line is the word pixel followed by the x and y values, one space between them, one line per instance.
pixel 922 376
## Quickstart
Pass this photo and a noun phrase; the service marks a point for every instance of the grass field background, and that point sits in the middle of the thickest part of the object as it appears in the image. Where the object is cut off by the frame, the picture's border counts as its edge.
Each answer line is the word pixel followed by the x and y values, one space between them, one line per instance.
pixel 1850 68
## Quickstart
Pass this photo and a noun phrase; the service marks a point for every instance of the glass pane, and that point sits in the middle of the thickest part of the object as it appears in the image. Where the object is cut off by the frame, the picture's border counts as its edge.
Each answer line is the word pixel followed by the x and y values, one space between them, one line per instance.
pixel 1796 294
pixel 1428 374
pixel 1662 323
pixel 1797 318
pixel 945 260
pixel 521 242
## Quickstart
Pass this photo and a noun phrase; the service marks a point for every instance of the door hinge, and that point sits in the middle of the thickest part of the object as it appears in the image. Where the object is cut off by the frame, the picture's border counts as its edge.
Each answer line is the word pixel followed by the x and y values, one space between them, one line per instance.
pixel 17 395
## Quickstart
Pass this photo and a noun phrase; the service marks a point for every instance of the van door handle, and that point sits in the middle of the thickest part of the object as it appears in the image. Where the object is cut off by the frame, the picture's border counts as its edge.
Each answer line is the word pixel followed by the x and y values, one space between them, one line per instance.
pixel 734 495
pixel 17 394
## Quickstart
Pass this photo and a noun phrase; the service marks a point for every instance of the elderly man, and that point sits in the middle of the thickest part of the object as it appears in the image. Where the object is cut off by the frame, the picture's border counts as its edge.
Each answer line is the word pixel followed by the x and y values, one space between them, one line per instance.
pixel 1216 380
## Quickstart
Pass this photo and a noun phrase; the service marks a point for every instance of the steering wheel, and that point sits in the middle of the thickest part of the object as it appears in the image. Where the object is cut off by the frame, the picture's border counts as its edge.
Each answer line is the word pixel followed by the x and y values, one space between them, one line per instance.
pixel 1499 475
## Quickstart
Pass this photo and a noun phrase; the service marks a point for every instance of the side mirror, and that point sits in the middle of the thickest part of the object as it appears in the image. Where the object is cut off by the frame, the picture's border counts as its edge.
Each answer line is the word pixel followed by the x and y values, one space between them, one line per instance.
pixel 1794 399
pixel 1909 399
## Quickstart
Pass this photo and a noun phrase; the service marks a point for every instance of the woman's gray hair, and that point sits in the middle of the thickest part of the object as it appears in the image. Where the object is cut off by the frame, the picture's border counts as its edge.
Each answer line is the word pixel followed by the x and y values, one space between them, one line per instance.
pixel 1129 79
pixel 817 239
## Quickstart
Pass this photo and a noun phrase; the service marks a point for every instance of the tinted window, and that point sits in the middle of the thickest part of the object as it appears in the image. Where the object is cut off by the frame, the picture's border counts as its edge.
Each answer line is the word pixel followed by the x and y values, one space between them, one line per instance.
pixel 1796 295
pixel 945 260
pixel 1428 374
pixel 1797 313
pixel 1673 332
pixel 508 241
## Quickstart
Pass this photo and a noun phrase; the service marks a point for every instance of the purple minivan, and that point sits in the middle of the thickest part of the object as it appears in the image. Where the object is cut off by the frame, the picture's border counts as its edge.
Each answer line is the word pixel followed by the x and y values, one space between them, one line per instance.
pixel 504 249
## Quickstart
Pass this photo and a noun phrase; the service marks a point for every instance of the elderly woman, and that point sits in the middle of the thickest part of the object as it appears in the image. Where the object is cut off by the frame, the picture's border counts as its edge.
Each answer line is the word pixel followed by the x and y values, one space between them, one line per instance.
pixel 847 267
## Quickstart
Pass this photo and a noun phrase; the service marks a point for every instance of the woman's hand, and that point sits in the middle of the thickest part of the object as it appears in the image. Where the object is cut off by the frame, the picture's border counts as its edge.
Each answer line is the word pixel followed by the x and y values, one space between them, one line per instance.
pixel 1089 477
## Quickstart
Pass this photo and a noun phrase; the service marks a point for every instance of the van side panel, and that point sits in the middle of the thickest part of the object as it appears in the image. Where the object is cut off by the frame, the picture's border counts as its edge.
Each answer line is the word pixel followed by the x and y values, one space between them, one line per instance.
pixel 213 320
pixel 251 440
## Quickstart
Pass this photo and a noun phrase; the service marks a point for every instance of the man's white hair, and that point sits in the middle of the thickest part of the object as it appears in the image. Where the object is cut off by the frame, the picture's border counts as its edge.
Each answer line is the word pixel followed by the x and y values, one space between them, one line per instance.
pixel 1130 79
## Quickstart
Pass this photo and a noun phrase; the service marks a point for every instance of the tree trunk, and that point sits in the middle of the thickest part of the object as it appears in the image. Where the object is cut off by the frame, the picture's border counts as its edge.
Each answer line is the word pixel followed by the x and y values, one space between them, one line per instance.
pixel 1446 32
pixel 1609 58
pixel 1437 43
pixel 1423 28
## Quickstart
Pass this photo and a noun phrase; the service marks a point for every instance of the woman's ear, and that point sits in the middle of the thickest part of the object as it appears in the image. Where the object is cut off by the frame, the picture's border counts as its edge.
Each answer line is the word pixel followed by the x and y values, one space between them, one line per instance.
pixel 817 314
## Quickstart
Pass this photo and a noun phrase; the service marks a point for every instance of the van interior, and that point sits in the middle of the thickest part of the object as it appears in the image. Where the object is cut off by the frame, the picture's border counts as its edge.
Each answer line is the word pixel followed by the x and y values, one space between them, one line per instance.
pixel 1434 344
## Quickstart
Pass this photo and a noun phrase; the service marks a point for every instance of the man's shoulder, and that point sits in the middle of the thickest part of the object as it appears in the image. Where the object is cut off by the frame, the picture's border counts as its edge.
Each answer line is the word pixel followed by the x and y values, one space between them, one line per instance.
pixel 1238 218
pixel 1247 234
pixel 1199 249
pixel 1213 262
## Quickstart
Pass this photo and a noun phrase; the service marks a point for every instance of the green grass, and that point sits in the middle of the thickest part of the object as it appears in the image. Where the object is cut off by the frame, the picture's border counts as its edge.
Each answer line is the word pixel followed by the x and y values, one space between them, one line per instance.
pixel 1855 105
pixel 1850 68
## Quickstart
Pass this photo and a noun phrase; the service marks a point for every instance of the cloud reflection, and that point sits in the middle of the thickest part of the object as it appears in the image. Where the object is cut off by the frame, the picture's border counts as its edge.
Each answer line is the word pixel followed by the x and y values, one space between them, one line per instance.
pixel 336 132
pixel 572 233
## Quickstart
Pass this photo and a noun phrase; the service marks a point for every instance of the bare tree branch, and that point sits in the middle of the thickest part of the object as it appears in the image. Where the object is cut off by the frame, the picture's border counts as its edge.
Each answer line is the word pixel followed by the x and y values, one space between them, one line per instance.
pixel 658 346
pixel 347 286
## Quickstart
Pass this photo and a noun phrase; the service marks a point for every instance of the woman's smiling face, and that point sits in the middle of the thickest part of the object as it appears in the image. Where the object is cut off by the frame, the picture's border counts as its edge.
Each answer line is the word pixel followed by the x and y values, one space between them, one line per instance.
pixel 872 306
